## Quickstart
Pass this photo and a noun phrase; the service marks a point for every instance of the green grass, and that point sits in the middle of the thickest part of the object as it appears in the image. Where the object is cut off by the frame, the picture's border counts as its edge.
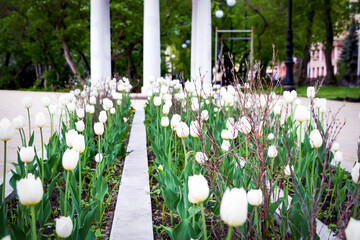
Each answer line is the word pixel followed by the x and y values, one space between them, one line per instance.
pixel 331 92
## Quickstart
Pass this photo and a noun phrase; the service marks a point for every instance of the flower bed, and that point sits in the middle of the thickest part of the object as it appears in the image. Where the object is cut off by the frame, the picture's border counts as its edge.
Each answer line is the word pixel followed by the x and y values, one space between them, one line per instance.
pixel 68 189
pixel 223 154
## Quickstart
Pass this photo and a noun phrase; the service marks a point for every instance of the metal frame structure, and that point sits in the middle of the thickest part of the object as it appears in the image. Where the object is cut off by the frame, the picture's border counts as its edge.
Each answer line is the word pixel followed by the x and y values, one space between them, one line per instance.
pixel 251 38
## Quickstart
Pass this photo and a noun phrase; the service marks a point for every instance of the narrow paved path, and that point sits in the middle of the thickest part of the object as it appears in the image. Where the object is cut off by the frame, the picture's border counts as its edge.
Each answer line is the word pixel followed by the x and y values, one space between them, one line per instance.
pixel 133 216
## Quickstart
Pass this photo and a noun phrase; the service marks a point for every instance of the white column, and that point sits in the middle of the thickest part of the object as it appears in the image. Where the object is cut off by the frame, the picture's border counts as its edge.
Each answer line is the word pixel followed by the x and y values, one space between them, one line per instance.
pixel 202 41
pixel 151 57
pixel 100 46
pixel 193 40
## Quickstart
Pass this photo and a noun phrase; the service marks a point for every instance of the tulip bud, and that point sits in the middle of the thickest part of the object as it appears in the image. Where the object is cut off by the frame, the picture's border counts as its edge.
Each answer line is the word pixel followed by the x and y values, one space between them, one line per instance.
pixel 355 172
pixel 98 157
pixel 301 113
pixel 164 121
pixel 70 159
pixel 195 129
pixel 64 227
pixel 71 107
pixel 201 157
pixel 315 139
pixel 112 110
pixel 272 152
pixel 287 170
pixel 80 126
pixel 80 113
pixel 107 104
pixel 160 167
pixel 40 120
pixel 255 197
pixel 18 122
pixel 30 190
pixel 90 109
pixel 64 100
pixel 69 136
pixel 45 101
pixel 198 188
pixel 225 146
pixel 92 100
pixel 182 130
pixel 175 120
pixel 335 147
pixel 103 117
pixel 6 129
pixel 79 143
pixel 288 97
pixel 310 92
pixel 27 102
pixel 157 101
pixel 166 109
pixel 338 156
pixel 277 109
pixel 99 128
pixel 226 134
pixel 52 109
pixel 204 115
pixel 352 230
pixel 244 126
pixel 271 136
pixel 234 207
pixel 27 154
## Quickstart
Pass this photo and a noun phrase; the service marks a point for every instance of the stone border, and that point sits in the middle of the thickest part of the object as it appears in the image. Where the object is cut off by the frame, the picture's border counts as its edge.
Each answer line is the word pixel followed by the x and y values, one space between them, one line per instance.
pixel 133 216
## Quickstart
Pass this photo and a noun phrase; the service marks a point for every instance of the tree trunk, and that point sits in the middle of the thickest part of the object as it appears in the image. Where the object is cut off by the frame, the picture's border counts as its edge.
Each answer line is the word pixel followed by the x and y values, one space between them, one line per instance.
pixel 7 59
pixel 329 41
pixel 68 58
pixel 128 70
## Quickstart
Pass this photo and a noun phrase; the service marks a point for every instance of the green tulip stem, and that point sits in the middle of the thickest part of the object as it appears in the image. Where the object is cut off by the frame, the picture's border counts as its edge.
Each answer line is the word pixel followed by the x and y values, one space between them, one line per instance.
pixel 203 220
pixel 229 236
pixel 185 179
pixel 171 217
pixel 246 150
pixel 257 220
pixel 22 138
pixel 33 222
pixel 60 121
pixel 300 142
pixel 51 122
pixel 193 218
pixel 157 124
pixel 66 191
pixel 23 134
pixel 26 169
pixel 312 174
pixel 42 155
pixel 4 175
pixel 28 111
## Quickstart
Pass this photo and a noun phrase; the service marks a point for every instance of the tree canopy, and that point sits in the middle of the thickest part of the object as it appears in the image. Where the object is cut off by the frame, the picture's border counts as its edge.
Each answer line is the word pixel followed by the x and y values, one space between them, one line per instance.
pixel 47 43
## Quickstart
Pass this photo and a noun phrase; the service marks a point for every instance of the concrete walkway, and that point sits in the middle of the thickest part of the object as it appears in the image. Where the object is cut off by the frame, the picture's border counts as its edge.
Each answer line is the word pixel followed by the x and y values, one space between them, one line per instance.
pixel 133 216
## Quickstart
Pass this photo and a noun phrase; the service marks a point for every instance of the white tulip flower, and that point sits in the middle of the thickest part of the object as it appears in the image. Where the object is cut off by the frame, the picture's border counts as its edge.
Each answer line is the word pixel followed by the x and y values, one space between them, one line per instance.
pixel 90 109
pixel 315 138
pixel 80 126
pixel 244 126
pixel 287 170
pixel 79 143
pixel 271 136
pixel 157 101
pixel 99 128
pixel 272 152
pixel 30 190
pixel 225 146
pixel 175 120
pixel 27 102
pixel 234 207
pixel 103 117
pixel 70 159
pixel 198 188
pixel 112 110
pixel 40 120
pixel 195 129
pixel 45 101
pixel 352 231
pixel 338 156
pixel 92 100
pixel 71 107
pixel 18 122
pixel 69 137
pixel 201 157
pixel 64 227
pixel 6 129
pixel 52 109
pixel 301 113
pixel 27 154
pixel 182 130
pixel 355 172
pixel 164 121
pixel 310 92
pixel 255 197
pixel 335 147
pixel 80 113
pixel 98 157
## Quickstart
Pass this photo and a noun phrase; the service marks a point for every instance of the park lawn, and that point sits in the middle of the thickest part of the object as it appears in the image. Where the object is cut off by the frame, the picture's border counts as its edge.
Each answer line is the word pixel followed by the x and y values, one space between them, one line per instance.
pixel 332 92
